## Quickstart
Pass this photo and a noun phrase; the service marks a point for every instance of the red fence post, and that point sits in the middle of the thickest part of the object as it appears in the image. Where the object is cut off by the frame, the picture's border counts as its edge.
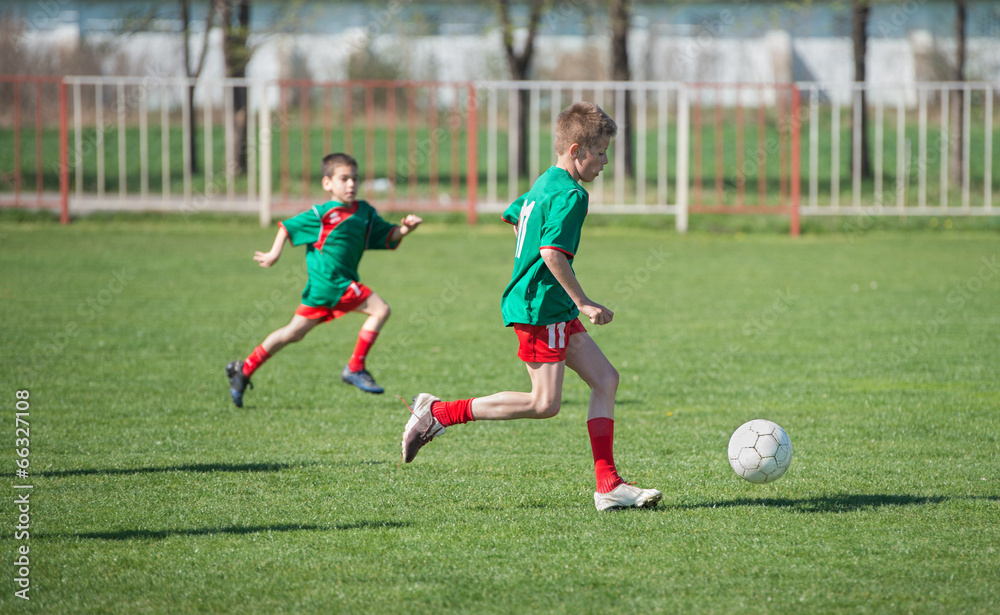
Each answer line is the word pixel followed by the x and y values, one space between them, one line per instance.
pixel 783 142
pixel 412 160
pixel 761 148
pixel 796 171
pixel 17 141
pixel 390 142
pixel 741 167
pixel 348 120
pixel 720 158
pixel 39 143
pixel 432 112
pixel 327 119
pixel 369 133
pixel 305 120
pixel 696 142
pixel 286 174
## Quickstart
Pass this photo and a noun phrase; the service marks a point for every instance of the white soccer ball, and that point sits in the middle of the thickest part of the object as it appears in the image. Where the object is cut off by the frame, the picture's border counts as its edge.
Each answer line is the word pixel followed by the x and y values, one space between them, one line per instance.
pixel 760 451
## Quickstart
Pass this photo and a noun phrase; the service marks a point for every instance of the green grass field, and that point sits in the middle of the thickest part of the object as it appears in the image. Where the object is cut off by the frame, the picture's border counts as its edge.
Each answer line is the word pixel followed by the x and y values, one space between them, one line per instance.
pixel 876 350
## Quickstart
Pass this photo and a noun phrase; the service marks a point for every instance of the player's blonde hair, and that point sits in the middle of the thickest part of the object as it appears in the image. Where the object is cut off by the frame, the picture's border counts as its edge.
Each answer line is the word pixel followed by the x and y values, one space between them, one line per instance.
pixel 583 123
pixel 332 161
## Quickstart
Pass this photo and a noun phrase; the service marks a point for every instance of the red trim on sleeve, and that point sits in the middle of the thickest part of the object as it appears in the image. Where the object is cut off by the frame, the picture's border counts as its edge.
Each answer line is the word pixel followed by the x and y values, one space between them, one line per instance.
pixel 388 239
pixel 568 254
pixel 281 224
pixel 508 221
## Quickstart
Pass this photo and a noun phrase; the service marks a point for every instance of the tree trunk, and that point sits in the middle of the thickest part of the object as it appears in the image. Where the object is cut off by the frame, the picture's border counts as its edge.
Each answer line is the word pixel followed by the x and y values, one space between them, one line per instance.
pixel 235 34
pixel 194 72
pixel 520 67
pixel 859 33
pixel 619 13
pixel 957 103
pixel 192 126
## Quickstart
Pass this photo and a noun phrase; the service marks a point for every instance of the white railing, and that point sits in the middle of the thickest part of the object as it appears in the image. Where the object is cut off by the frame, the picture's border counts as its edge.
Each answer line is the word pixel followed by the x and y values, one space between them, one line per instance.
pixel 659 110
pixel 151 104
pixel 696 147
pixel 914 162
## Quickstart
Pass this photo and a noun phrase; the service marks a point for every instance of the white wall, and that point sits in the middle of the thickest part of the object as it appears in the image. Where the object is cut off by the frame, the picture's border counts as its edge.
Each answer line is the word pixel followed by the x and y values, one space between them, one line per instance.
pixel 772 58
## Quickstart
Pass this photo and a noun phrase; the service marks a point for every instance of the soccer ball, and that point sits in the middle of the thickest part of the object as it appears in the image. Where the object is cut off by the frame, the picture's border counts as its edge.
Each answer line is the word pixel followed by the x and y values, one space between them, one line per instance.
pixel 760 451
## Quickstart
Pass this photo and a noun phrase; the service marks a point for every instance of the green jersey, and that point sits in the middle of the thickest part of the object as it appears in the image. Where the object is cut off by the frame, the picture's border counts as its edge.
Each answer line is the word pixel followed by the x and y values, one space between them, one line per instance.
pixel 550 215
pixel 335 236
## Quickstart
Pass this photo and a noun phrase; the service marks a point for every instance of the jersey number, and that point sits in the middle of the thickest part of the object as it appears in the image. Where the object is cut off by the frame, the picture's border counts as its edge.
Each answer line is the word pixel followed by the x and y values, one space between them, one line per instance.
pixel 522 222
pixel 557 335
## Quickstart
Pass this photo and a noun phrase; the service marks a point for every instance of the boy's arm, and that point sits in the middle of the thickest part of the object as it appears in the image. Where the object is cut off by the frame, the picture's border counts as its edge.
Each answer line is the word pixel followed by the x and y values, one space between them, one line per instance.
pixel 266 259
pixel 405 227
pixel 558 264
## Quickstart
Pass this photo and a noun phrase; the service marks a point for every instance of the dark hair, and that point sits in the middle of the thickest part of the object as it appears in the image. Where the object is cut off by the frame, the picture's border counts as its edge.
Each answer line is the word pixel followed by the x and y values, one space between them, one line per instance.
pixel 332 161
pixel 583 123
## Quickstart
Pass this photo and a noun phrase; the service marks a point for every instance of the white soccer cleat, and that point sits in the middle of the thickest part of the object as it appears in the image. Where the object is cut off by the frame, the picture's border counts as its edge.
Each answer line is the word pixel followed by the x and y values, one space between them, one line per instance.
pixel 422 426
pixel 627 496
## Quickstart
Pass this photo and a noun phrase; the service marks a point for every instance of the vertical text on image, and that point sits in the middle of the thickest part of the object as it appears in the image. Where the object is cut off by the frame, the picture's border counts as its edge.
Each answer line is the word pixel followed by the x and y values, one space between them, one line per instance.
pixel 22 493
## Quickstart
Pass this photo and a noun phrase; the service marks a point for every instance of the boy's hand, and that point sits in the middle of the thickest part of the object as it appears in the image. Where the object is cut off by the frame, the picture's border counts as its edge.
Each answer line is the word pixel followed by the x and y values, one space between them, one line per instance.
pixel 597 313
pixel 266 259
pixel 409 223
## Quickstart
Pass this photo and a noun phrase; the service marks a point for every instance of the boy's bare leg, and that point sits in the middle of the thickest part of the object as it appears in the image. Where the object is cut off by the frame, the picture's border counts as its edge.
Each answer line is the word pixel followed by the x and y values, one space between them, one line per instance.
pixel 354 372
pixel 377 310
pixel 239 372
pixel 586 359
pixel 583 357
pixel 541 403
pixel 290 333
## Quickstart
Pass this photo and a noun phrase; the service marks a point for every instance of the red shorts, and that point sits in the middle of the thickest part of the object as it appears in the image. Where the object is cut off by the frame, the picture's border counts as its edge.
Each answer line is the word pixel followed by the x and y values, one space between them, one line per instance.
pixel 546 343
pixel 356 294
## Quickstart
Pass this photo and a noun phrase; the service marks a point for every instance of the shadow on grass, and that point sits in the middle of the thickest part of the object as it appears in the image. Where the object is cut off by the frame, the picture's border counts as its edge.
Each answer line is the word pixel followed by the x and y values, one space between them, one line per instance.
pixel 202 468
pixel 834 503
pixel 236 530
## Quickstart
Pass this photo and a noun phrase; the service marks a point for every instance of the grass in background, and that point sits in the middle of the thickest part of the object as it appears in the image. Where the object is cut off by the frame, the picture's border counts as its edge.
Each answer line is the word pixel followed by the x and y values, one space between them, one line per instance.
pixel 876 350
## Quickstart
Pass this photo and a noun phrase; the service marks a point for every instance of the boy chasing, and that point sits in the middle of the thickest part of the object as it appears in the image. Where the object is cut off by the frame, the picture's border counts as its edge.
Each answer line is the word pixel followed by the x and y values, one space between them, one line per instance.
pixel 335 234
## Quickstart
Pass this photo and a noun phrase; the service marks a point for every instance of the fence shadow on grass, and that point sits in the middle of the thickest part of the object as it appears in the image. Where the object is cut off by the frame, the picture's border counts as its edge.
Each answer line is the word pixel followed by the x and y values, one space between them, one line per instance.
pixel 237 530
pixel 834 503
pixel 203 468
pixel 198 468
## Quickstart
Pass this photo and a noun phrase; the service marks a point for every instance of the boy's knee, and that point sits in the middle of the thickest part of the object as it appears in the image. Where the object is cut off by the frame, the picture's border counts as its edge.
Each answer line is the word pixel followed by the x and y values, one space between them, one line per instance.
pixel 608 380
pixel 547 408
pixel 380 311
pixel 295 334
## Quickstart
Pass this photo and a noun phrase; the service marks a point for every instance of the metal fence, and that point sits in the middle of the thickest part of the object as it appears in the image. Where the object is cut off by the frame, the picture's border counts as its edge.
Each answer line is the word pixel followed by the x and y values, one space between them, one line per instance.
pixel 28 106
pixel 915 134
pixel 142 143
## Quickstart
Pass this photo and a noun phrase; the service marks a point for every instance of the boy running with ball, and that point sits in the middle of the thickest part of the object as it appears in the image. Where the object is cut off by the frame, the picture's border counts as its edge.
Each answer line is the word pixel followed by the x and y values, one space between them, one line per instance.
pixel 336 235
pixel 542 303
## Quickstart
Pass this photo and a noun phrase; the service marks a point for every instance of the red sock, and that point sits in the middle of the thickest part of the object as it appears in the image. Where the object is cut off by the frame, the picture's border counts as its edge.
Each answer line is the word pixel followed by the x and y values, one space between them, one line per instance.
pixel 452 412
pixel 602 436
pixel 255 360
pixel 365 340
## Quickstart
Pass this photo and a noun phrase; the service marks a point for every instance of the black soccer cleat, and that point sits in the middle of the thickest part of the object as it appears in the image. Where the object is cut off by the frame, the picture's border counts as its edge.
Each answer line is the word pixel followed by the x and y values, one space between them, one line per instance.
pixel 237 382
